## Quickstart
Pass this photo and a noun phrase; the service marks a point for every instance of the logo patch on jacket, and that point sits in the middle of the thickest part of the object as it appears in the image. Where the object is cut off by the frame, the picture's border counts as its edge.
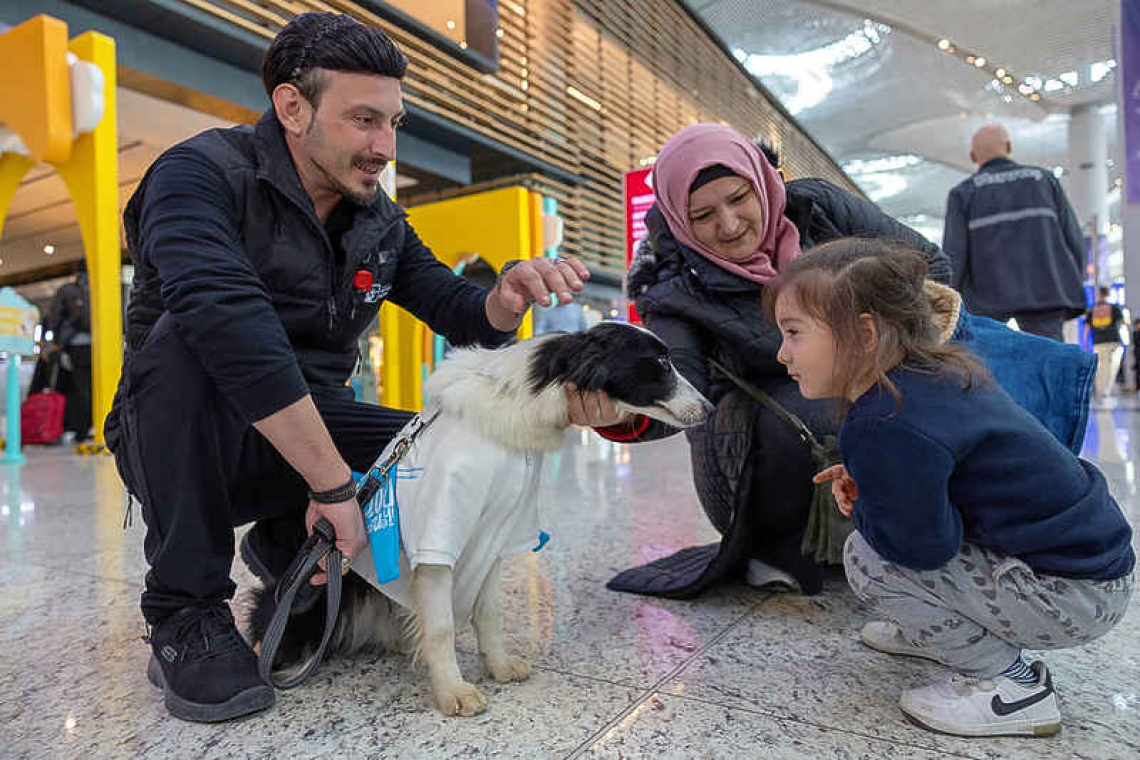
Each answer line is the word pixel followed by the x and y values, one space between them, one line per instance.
pixel 376 292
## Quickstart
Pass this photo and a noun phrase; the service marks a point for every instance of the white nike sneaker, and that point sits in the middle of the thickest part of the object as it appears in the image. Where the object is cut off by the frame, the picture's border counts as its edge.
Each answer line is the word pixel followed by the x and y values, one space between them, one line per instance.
pixel 976 707
pixel 764 576
pixel 886 637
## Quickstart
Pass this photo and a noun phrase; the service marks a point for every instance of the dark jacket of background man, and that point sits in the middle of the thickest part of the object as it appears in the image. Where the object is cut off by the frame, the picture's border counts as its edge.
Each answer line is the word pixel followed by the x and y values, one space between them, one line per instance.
pixel 1014 242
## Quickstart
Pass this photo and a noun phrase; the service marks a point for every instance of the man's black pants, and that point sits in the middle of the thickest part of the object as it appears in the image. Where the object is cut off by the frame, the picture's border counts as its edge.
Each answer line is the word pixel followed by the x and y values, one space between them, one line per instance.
pixel 199 469
pixel 1047 323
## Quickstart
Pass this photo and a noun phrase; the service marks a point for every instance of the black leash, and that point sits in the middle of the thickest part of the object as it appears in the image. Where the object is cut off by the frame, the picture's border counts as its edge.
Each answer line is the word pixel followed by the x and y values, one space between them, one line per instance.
pixel 773 406
pixel 827 529
pixel 321 543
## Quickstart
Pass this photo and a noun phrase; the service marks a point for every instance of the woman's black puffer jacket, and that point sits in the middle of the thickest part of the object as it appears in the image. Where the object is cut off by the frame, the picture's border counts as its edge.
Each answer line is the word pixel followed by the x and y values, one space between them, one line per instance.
pixel 743 454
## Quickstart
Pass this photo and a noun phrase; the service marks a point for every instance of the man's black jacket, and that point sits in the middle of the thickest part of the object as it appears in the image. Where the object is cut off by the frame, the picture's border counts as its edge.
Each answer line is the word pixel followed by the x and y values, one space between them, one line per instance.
pixel 225 238
pixel 1014 242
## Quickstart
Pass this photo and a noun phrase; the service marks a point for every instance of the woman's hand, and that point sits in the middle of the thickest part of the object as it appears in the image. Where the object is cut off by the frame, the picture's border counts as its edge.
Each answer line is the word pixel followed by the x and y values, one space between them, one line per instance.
pixel 842 487
pixel 591 408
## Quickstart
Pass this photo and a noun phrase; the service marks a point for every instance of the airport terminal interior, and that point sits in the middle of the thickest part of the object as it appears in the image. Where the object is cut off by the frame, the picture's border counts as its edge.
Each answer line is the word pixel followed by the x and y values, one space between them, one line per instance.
pixel 531 132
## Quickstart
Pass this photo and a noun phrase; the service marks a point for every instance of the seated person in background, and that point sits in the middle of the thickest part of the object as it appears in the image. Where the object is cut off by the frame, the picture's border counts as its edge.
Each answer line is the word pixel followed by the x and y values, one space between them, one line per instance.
pixel 568 318
pixel 978 535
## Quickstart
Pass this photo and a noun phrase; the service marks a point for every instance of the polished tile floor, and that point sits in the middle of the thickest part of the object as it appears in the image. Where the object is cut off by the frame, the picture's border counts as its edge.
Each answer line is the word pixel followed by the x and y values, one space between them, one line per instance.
pixel 736 673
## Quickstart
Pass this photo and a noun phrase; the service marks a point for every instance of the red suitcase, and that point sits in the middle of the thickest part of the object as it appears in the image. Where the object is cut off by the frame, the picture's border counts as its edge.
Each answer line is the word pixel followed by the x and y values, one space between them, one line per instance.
pixel 41 417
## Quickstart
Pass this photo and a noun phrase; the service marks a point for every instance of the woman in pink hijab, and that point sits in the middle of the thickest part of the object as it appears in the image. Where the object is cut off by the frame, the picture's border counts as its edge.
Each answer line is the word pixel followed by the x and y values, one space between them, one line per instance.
pixel 723 225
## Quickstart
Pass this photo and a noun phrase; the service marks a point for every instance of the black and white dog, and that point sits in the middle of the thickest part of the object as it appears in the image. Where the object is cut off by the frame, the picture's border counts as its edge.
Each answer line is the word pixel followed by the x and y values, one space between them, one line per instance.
pixel 467 497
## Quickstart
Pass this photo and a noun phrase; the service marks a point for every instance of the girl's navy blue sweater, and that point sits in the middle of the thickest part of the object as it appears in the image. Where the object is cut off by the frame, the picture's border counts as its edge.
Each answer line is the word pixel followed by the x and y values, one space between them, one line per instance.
pixel 949 465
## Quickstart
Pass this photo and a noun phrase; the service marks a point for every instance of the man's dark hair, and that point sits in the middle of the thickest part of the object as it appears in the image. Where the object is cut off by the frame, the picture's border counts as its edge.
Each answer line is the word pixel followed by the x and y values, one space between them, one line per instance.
pixel 331 41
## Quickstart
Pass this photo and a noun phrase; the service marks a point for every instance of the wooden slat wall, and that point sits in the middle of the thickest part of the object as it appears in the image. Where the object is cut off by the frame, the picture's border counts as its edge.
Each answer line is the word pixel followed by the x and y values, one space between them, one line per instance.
pixel 647 64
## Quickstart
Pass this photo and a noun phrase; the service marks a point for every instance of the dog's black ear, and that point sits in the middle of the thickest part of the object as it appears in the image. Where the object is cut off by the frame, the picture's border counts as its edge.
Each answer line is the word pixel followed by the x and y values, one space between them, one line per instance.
pixel 591 374
pixel 554 360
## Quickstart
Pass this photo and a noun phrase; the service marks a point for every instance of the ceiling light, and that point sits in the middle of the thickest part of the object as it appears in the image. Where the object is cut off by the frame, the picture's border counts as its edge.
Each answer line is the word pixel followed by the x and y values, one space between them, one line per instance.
pixel 1007 79
pixel 1058 171
pixel 882 164
pixel 999 73
pixel 1100 69
pixel 970 59
pixel 943 44
pixel 463 44
pixel 499 33
pixel 1052 85
pixel 1024 88
pixel 1034 82
pixel 49 249
pixel 979 61
pixel 1070 78
pixel 1035 96
pixel 450 24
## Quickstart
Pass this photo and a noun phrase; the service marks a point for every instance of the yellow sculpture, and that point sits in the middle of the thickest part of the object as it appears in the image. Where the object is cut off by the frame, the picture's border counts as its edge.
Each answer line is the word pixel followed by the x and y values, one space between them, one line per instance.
pixel 37 103
pixel 499 225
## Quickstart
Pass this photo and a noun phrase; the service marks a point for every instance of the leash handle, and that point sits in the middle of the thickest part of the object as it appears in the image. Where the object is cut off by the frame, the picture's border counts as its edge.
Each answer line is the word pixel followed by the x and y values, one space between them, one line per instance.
pixel 321 543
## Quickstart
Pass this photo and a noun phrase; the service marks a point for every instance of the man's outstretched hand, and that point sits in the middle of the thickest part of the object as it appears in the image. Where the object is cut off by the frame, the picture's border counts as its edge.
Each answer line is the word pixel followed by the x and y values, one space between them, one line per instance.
pixel 533 281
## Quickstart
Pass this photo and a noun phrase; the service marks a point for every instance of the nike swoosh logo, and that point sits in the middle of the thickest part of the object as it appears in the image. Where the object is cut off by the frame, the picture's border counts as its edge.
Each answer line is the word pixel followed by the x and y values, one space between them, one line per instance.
pixel 1005 708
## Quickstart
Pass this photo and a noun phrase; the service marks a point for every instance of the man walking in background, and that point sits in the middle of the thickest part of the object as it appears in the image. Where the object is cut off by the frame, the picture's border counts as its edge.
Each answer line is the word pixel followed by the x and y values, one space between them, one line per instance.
pixel 1106 322
pixel 1015 244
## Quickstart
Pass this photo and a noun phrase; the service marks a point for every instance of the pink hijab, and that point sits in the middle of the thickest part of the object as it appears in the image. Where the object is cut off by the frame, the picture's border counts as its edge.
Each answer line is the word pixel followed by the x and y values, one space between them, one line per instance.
pixel 701 145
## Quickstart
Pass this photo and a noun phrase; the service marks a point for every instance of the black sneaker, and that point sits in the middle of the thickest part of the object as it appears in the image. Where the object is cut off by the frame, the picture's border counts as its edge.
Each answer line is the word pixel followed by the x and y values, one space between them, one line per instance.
pixel 204 667
pixel 255 557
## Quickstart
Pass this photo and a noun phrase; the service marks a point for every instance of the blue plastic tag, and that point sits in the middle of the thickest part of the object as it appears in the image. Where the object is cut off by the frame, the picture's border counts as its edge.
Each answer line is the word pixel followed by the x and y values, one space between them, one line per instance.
pixel 382 519
pixel 543 537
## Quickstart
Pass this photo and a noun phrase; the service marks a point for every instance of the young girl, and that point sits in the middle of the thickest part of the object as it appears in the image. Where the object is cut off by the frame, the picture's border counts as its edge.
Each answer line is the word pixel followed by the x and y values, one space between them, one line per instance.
pixel 978 534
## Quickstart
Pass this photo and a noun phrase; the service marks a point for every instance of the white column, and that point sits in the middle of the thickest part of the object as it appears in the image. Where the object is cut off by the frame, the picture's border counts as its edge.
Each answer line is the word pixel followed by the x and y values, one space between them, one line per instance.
pixel 1088 156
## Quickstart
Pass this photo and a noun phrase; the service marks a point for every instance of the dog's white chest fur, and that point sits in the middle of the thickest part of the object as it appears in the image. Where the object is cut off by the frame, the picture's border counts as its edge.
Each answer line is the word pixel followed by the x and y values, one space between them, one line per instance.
pixel 464 502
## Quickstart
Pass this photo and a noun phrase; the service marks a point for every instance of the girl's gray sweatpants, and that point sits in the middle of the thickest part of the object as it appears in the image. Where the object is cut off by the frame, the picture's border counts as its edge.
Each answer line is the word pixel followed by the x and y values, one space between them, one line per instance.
pixel 979 610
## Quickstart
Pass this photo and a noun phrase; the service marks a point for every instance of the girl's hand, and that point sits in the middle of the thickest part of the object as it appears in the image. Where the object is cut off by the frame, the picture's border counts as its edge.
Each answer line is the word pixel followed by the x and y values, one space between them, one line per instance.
pixel 842 487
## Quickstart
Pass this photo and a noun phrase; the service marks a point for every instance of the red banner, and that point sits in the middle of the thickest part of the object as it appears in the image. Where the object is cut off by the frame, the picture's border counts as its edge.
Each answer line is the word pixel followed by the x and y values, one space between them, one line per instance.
pixel 638 200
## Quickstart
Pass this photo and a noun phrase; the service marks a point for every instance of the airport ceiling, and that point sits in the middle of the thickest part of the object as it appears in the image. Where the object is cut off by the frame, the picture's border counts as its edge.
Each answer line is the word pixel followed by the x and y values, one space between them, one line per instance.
pixel 867 78
pixel 893 89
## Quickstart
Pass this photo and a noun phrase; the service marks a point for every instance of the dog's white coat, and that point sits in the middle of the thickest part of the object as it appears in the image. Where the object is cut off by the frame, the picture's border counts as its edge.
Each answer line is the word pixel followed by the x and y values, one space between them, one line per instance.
pixel 494 430
pixel 465 501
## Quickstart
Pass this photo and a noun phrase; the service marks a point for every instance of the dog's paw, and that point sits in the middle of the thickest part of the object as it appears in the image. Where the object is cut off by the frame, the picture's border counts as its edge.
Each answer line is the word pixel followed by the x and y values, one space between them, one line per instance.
pixel 460 699
pixel 509 668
